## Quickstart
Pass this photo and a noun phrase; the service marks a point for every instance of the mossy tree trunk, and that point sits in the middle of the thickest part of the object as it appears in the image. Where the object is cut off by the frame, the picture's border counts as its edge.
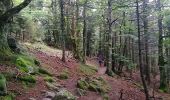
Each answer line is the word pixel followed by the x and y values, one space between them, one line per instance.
pixel 4 48
pixel 4 18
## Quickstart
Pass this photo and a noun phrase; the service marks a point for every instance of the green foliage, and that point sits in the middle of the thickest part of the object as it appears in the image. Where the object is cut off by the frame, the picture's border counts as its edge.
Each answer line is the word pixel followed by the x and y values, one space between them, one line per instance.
pixel 87 70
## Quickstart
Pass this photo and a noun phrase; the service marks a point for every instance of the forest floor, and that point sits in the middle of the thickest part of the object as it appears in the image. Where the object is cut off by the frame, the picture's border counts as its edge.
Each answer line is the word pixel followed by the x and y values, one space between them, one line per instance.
pixel 50 59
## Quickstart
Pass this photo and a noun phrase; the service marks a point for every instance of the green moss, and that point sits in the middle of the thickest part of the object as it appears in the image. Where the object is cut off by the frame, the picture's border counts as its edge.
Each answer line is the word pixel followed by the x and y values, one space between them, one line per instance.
pixel 87 70
pixel 27 78
pixel 43 71
pixel 3 88
pixel 48 79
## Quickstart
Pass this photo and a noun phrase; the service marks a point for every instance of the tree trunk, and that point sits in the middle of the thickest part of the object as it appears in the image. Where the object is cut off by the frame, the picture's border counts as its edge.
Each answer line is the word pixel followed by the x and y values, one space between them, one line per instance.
pixel 84 32
pixel 140 51
pixel 161 62
pixel 145 22
pixel 62 30
pixel 109 38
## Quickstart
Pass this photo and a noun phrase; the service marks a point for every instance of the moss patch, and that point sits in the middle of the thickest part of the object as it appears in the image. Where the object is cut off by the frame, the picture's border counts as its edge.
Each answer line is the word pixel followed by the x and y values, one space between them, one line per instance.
pixel 94 84
pixel 87 70
pixel 27 79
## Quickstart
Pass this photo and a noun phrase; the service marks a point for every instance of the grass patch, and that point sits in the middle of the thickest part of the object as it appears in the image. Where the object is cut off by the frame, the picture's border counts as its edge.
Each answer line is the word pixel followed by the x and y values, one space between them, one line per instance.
pixel 87 70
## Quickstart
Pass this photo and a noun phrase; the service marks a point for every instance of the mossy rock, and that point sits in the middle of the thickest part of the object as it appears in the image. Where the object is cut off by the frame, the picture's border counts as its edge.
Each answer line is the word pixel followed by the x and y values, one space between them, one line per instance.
pixel 64 95
pixel 94 84
pixel 43 71
pixel 3 87
pixel 48 79
pixel 27 78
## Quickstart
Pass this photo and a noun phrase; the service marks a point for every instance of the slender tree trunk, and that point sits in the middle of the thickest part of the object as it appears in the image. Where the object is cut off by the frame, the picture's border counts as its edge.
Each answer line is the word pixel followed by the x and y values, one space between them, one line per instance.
pixel 145 22
pixel 62 29
pixel 84 32
pixel 140 56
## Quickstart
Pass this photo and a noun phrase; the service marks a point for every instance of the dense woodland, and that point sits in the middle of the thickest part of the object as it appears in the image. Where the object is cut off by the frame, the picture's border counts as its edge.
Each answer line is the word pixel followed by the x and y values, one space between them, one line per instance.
pixel 133 37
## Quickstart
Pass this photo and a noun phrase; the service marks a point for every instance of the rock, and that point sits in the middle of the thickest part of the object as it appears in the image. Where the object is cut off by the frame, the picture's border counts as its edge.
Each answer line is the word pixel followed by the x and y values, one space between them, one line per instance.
pixel 96 84
pixel 3 87
pixel 81 92
pixel 63 94
pixel 49 94
pixel 52 86
pixel 13 44
pixel 32 99
pixel 46 99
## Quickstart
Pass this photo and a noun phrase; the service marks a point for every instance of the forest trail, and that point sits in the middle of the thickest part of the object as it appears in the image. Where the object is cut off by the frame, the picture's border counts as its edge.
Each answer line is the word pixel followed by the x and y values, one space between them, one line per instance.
pixel 129 89
pixel 53 63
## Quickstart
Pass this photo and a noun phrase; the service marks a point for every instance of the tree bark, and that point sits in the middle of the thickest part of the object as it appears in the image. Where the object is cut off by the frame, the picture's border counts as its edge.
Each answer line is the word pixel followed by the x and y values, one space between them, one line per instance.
pixel 62 29
pixel 109 38
pixel 145 22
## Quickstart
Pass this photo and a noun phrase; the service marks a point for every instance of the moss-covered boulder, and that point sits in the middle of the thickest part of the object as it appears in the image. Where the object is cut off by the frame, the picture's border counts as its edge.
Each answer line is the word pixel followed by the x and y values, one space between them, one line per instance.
pixel 96 84
pixel 64 95
pixel 3 87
